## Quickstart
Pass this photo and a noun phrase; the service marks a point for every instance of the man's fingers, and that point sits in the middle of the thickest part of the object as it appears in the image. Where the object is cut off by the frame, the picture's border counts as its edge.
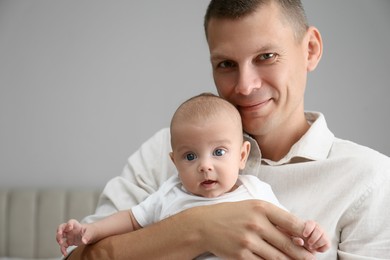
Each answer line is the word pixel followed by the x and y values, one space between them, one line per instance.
pixel 278 242
pixel 287 221
pixel 266 251
pixel 298 241
pixel 283 246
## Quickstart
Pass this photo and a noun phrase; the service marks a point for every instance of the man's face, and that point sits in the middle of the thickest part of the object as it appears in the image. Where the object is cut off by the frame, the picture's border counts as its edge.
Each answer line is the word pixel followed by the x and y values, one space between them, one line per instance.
pixel 259 66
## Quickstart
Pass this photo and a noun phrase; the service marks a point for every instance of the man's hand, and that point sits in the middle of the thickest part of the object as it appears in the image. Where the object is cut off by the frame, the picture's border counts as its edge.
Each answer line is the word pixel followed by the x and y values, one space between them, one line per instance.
pixel 247 230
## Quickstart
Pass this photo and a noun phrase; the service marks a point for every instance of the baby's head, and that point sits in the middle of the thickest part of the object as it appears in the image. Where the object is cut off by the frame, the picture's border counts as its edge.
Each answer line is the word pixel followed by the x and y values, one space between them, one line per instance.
pixel 204 108
pixel 207 145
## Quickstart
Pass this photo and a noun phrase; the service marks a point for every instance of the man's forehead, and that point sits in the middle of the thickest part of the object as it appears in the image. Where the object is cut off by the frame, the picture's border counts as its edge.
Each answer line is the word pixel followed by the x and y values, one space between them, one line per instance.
pixel 233 38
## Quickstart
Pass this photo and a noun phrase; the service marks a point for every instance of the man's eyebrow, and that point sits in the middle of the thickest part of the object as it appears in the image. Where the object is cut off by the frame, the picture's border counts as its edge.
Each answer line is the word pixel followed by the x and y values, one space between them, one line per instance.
pixel 218 55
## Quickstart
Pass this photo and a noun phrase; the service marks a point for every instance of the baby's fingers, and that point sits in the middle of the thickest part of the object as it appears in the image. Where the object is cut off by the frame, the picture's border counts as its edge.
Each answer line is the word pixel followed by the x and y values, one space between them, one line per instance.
pixel 60 232
pixel 71 225
pixel 63 243
pixel 310 226
pixel 322 244
pixel 63 250
pixel 87 236
pixel 315 236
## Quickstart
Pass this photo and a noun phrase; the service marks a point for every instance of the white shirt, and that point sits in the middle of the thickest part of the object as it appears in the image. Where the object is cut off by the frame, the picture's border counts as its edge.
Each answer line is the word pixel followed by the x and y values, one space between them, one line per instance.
pixel 343 186
pixel 172 197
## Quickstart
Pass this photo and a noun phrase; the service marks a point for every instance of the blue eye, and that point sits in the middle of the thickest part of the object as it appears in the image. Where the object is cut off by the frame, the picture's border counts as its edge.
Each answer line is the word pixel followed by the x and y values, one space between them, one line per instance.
pixel 190 156
pixel 219 152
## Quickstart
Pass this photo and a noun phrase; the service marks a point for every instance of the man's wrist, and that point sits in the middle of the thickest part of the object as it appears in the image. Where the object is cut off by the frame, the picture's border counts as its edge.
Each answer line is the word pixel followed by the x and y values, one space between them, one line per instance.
pixel 190 223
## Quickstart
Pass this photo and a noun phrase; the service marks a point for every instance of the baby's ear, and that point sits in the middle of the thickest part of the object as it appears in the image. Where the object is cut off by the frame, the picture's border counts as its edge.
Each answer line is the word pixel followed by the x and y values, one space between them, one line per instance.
pixel 171 156
pixel 245 149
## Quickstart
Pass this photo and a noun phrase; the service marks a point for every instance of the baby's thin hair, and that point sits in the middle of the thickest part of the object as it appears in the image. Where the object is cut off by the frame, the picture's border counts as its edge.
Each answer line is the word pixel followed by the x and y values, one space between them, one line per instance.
pixel 203 107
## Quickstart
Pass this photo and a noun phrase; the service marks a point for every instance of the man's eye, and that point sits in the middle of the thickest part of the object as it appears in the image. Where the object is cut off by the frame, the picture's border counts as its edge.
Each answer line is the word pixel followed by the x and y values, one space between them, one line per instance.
pixel 267 56
pixel 219 152
pixel 226 64
pixel 190 156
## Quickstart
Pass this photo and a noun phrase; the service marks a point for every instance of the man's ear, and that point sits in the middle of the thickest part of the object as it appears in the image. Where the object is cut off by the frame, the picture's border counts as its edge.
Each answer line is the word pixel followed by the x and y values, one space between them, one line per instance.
pixel 314 47
pixel 245 149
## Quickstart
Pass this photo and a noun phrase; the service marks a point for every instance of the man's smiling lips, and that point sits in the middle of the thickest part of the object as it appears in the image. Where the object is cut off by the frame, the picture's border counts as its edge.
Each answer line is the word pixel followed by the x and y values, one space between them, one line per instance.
pixel 251 107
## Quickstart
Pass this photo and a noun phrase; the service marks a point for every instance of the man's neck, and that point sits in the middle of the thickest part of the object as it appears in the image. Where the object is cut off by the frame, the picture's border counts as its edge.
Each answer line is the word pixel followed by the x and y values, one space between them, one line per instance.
pixel 274 146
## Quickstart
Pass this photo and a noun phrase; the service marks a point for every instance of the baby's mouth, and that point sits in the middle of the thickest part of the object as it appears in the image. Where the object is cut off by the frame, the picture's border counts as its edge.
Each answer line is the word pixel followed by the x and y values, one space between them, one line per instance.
pixel 208 183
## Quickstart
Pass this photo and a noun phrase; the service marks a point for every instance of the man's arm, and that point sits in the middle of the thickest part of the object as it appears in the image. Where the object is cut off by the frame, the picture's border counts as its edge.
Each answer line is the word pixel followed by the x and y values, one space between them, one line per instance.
pixel 236 230
pixel 172 238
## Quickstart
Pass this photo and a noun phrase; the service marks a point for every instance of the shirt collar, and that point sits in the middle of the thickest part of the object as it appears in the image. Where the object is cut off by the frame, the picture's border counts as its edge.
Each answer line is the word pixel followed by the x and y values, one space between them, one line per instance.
pixel 314 145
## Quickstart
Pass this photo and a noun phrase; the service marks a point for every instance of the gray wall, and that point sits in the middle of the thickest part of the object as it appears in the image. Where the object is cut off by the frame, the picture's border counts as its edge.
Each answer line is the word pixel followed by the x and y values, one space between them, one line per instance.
pixel 84 83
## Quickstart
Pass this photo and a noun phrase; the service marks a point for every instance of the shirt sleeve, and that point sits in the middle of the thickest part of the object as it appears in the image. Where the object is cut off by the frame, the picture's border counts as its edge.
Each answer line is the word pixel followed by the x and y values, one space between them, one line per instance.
pixel 144 172
pixel 145 212
pixel 149 211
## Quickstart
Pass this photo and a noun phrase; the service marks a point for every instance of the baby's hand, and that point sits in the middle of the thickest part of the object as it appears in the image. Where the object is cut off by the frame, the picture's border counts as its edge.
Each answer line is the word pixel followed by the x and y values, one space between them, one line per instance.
pixel 71 234
pixel 315 237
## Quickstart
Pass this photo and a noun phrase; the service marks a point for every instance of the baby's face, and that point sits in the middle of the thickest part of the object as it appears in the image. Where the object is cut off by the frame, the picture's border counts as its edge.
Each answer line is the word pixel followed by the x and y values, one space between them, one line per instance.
pixel 208 155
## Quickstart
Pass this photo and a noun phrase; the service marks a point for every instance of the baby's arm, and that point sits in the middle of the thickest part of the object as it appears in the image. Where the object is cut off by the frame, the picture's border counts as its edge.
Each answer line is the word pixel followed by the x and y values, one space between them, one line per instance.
pixel 74 233
pixel 314 236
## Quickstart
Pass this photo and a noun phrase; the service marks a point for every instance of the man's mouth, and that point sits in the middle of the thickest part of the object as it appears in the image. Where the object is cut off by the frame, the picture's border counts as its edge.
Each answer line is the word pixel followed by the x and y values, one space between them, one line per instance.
pixel 257 104
pixel 252 107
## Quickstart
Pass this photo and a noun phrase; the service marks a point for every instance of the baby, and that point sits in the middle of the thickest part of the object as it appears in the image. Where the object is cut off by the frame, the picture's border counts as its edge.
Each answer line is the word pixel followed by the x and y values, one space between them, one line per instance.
pixel 208 151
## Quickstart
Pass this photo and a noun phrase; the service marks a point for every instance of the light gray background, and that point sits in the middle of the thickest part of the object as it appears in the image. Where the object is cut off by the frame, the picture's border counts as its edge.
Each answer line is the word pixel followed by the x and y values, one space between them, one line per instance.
pixel 84 83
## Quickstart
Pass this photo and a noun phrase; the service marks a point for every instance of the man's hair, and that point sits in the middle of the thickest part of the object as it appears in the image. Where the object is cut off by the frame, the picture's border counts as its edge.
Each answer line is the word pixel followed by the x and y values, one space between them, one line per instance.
pixel 292 11
pixel 205 106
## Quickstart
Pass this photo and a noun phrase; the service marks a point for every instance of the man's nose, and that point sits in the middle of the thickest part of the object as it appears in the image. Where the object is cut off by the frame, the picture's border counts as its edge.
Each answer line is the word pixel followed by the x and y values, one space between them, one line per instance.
pixel 248 79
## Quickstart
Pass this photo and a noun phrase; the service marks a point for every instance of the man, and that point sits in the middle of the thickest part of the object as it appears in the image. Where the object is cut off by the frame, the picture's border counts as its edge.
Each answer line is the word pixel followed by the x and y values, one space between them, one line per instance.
pixel 261 52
